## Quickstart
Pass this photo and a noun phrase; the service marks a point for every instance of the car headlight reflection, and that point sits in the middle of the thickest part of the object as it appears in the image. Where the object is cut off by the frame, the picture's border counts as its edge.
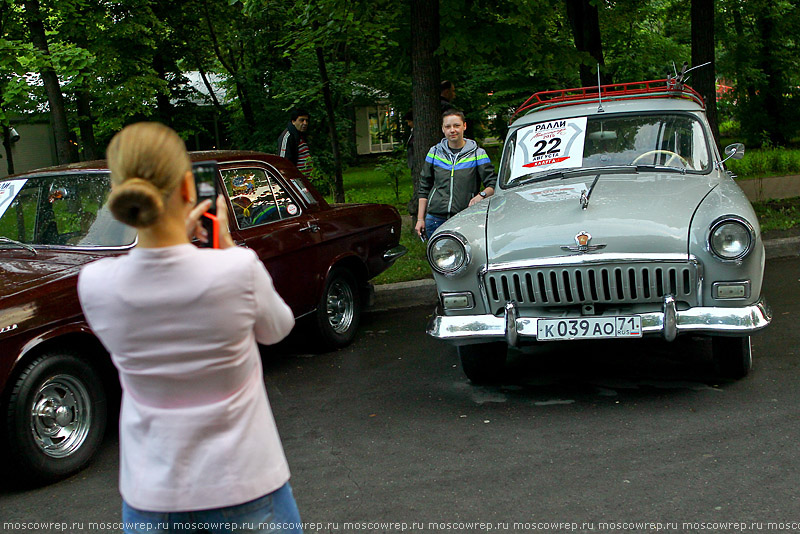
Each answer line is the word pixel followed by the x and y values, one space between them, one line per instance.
pixel 447 254
pixel 731 238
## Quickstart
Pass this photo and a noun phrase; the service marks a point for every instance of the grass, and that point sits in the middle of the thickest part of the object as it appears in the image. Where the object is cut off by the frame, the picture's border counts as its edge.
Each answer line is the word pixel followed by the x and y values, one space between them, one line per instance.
pixel 375 182
pixel 761 163
pixel 778 214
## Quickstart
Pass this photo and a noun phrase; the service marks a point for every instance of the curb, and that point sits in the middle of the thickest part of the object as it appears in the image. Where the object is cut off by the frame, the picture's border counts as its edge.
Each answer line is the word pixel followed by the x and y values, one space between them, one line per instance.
pixel 423 292
pixel 785 247
pixel 404 295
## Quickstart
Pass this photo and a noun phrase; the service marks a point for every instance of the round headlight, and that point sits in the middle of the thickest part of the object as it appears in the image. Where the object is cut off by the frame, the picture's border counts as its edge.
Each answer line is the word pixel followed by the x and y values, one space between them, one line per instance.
pixel 447 254
pixel 730 239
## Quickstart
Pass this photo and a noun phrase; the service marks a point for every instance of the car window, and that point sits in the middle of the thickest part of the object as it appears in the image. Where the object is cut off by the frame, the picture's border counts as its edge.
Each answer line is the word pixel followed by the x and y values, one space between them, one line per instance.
pixel 257 198
pixel 674 140
pixel 61 210
pixel 307 196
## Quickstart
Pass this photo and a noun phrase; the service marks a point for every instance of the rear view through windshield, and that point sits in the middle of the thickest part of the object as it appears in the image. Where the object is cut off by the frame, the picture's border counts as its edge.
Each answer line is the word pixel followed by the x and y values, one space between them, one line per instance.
pixel 61 210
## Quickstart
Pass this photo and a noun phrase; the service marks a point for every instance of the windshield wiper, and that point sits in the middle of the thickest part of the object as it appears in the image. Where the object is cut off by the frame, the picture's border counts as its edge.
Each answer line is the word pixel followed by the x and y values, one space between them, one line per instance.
pixel 611 169
pixel 660 168
pixel 538 178
pixel 9 241
pixel 585 195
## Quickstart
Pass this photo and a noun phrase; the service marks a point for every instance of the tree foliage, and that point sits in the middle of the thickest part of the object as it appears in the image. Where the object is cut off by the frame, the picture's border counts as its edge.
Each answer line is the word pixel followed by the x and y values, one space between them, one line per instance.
pixel 119 61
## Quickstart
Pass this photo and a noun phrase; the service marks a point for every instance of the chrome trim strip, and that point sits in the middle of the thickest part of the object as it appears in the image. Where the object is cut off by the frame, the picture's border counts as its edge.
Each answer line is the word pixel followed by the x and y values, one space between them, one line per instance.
pixel 482 287
pixel 610 257
pixel 467 329
pixel 89 248
pixel 394 253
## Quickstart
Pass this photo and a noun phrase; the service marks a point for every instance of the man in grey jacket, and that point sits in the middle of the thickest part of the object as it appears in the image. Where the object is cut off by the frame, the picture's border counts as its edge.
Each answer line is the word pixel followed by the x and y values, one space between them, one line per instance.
pixel 457 173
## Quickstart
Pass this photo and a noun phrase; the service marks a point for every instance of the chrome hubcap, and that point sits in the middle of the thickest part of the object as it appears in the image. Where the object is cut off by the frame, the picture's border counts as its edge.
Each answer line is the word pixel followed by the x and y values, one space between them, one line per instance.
pixel 61 416
pixel 340 306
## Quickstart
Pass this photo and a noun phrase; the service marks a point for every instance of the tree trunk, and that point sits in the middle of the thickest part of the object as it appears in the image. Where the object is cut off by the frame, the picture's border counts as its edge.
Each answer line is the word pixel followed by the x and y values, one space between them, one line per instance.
pixel 704 78
pixel 585 22
pixel 231 67
pixel 163 104
pixel 86 125
pixel 774 84
pixel 741 51
pixel 7 146
pixel 54 95
pixel 338 184
pixel 425 74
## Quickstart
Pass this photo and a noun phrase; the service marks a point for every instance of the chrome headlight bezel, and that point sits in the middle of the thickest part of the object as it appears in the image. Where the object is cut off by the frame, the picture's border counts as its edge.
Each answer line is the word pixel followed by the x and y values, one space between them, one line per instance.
pixel 728 220
pixel 461 244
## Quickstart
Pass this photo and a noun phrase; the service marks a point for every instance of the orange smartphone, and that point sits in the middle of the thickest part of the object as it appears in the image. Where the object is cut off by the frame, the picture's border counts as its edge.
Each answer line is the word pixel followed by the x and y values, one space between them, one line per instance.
pixel 206 184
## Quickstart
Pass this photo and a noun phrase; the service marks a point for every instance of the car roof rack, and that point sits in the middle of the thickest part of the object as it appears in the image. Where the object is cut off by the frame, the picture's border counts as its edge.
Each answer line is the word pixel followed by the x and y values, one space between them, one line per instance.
pixel 667 88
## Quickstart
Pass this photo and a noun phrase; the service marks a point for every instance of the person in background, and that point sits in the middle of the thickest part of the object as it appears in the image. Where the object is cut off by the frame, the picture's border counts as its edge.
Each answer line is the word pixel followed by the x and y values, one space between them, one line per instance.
pixel 409 118
pixel 292 143
pixel 447 92
pixel 412 203
pixel 198 442
pixel 456 173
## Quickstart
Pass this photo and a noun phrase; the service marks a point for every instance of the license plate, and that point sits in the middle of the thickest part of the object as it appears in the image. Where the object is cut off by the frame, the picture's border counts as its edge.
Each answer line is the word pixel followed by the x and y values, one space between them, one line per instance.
pixel 589 328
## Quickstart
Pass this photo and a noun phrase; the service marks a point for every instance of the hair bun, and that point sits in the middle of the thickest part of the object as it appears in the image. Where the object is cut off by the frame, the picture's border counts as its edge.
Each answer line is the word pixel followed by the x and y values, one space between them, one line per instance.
pixel 136 202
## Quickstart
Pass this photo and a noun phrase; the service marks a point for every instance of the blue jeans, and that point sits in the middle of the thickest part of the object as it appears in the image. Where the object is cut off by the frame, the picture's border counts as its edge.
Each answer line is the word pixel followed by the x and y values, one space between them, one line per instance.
pixel 273 513
pixel 432 223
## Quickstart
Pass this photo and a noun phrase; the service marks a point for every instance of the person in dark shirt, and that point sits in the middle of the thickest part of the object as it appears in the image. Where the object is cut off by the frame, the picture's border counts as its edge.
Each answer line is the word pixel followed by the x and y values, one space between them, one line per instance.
pixel 447 92
pixel 292 143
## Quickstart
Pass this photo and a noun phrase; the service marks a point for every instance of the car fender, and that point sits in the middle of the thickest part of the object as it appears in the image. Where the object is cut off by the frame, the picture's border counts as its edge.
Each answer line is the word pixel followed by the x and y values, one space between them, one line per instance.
pixel 726 199
pixel 470 224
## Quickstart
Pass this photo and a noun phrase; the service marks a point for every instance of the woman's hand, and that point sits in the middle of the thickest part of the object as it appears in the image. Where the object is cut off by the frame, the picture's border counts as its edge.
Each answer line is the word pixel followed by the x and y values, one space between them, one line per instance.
pixel 194 229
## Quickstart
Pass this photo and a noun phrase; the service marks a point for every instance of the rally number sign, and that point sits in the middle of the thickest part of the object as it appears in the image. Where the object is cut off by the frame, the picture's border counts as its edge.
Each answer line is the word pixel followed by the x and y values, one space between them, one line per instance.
pixel 8 192
pixel 544 146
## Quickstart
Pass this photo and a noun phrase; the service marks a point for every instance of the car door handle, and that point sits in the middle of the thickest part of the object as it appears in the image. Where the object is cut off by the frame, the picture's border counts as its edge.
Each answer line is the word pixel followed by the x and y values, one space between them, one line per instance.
pixel 313 228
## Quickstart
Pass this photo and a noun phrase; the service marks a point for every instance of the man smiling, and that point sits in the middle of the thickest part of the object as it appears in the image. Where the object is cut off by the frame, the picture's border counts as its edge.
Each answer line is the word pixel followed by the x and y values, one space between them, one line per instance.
pixel 457 173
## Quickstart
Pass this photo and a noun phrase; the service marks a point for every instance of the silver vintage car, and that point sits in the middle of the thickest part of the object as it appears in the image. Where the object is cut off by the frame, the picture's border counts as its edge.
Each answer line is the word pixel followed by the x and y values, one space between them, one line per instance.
pixel 614 217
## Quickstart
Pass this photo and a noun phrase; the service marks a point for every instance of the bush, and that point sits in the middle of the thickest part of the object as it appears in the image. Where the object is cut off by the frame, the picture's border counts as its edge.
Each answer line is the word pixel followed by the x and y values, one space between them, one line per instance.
pixel 766 162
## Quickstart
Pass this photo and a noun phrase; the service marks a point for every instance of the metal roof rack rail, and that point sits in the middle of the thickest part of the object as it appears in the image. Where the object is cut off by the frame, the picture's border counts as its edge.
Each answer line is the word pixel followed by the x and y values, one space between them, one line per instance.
pixel 667 88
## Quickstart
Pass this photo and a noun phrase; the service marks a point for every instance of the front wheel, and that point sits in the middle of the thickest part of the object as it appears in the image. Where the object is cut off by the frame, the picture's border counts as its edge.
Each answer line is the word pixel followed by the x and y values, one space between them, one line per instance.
pixel 733 356
pixel 56 416
pixel 483 363
pixel 339 310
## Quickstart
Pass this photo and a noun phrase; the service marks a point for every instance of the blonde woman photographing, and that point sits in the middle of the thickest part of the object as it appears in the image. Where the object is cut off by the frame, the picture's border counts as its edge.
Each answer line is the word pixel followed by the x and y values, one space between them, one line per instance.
pixel 199 449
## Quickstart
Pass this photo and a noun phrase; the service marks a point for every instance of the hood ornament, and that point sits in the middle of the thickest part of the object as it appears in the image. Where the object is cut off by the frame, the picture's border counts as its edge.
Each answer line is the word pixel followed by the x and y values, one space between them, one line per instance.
pixel 582 244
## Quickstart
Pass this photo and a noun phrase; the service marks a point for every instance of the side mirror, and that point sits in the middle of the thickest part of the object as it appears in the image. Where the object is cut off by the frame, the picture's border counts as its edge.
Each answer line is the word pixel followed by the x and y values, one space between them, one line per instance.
pixel 735 151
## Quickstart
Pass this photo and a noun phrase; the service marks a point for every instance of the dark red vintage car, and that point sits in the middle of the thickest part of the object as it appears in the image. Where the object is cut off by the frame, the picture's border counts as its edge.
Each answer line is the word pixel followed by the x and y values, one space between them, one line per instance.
pixel 55 377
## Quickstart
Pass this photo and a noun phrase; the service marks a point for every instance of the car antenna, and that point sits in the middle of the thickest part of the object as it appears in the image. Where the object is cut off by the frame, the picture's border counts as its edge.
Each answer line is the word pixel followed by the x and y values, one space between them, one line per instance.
pixel 599 92
pixel 686 72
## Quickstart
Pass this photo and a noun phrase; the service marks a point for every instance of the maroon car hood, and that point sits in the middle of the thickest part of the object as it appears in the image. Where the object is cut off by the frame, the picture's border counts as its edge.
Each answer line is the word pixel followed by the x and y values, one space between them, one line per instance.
pixel 19 273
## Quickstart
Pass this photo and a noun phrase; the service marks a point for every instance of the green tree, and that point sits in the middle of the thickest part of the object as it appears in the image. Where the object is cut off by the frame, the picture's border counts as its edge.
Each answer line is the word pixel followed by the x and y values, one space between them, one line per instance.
pixel 55 97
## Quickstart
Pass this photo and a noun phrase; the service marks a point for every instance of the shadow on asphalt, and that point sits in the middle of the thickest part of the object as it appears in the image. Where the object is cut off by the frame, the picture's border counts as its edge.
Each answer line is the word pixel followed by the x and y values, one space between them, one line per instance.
pixel 585 370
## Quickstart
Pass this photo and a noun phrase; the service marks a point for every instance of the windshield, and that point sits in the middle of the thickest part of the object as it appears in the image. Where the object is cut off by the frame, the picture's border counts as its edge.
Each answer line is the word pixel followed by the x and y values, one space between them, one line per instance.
pixel 676 141
pixel 68 209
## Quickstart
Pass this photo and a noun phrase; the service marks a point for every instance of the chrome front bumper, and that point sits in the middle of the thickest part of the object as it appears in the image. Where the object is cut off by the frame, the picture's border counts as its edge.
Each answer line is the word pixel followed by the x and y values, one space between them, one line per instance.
pixel 669 322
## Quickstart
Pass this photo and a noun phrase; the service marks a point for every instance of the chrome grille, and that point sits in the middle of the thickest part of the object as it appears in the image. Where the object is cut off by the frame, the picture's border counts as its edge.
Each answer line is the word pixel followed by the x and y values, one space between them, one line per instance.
pixel 605 283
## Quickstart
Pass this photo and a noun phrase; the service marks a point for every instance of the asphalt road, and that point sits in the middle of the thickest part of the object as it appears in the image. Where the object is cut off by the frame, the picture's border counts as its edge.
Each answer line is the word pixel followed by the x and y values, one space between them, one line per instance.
pixel 592 436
